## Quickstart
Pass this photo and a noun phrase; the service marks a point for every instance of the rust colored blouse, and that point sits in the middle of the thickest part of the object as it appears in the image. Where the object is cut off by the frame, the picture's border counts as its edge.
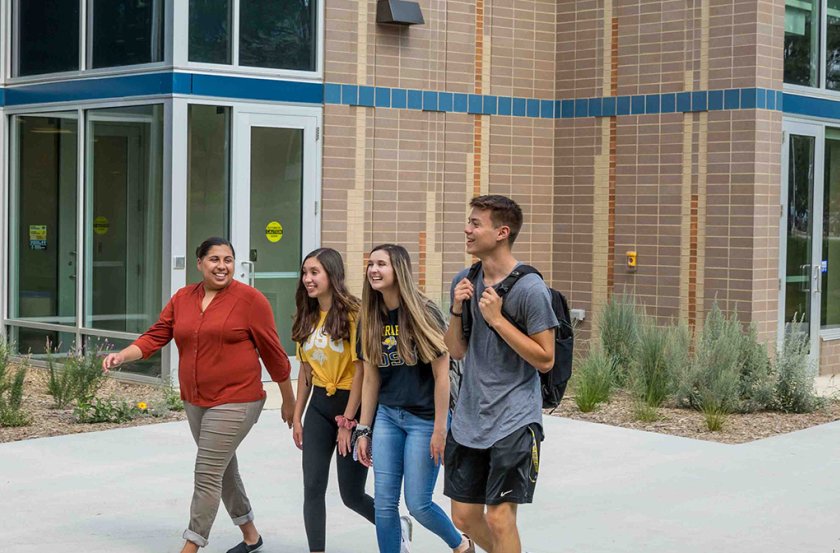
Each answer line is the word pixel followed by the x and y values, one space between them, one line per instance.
pixel 219 350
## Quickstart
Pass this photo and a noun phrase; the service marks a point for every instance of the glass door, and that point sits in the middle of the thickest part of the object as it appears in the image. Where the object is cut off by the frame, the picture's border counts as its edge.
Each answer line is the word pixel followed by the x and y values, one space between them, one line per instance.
pixel 273 203
pixel 800 253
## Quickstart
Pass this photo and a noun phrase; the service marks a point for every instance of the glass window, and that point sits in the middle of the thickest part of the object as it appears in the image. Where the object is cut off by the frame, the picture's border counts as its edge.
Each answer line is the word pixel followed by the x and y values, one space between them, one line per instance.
pixel 830 312
pixel 210 31
pixel 799 230
pixel 146 367
pixel 47 36
pixel 126 32
pixel 28 341
pixel 123 262
pixel 42 269
pixel 208 211
pixel 802 42
pixel 277 33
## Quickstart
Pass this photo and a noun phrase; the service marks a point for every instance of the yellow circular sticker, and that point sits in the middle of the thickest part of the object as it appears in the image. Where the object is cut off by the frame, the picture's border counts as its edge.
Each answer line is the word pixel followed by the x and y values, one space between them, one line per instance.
pixel 274 231
pixel 101 225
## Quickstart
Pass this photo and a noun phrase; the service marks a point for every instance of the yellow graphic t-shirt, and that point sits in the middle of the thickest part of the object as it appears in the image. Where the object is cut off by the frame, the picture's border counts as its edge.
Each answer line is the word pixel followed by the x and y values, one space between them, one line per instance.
pixel 331 361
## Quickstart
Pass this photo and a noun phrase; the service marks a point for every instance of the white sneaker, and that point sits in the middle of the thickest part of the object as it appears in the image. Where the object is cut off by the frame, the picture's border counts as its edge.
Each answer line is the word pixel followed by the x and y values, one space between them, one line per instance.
pixel 406 531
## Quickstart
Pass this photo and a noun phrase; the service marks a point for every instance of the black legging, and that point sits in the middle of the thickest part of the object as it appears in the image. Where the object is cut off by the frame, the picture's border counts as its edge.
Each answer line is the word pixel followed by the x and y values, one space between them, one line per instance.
pixel 320 432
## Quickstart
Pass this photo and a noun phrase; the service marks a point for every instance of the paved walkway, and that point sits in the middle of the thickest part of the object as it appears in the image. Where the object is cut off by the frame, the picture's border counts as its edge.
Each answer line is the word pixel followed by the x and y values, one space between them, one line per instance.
pixel 602 489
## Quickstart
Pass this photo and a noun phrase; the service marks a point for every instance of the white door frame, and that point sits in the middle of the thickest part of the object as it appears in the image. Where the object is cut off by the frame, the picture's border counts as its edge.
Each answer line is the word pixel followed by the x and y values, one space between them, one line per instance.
pixel 244 118
pixel 240 201
pixel 817 131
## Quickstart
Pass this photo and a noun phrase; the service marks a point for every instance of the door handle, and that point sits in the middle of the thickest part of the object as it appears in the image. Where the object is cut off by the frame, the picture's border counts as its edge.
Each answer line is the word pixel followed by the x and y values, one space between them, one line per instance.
pixel 250 266
pixel 804 285
pixel 817 272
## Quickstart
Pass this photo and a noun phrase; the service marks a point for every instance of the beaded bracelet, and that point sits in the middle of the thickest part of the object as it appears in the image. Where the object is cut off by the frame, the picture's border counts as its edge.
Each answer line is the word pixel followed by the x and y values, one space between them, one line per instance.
pixel 360 431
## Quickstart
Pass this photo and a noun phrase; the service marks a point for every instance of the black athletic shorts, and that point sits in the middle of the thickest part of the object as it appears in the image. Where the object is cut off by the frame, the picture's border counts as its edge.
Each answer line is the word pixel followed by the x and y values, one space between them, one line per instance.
pixel 506 472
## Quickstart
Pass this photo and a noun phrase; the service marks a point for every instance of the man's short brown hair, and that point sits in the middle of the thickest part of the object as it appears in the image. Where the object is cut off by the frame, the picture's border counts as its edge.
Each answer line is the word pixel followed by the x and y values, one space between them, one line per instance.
pixel 503 212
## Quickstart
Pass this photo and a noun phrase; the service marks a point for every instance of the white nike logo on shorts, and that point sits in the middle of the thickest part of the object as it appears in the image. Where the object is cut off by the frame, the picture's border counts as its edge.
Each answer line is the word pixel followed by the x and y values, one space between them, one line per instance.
pixel 505 493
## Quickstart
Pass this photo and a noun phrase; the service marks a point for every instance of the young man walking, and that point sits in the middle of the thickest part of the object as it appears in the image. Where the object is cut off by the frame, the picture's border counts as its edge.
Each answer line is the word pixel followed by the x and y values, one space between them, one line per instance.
pixel 492 450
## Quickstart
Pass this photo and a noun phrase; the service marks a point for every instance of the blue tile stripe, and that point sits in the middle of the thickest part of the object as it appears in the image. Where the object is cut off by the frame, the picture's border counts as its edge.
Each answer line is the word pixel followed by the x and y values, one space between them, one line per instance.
pixel 166 83
pixel 669 102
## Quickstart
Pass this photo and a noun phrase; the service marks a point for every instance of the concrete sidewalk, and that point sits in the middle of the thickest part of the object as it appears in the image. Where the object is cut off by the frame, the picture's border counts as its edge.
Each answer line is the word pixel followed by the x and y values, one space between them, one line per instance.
pixel 601 489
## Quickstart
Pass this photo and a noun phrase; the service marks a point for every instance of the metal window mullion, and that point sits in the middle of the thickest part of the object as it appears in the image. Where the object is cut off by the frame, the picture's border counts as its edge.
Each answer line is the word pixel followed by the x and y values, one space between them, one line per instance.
pixel 35 325
pixel 816 237
pixel 320 47
pixel 234 34
pixel 783 200
pixel 7 214
pixel 822 6
pixel 177 34
pixel 15 42
pixel 84 43
pixel 81 202
pixel 86 331
pixel 176 156
pixel 5 45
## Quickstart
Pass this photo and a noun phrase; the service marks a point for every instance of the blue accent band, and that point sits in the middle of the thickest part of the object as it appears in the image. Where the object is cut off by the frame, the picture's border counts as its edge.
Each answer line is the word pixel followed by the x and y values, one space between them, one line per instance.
pixel 165 83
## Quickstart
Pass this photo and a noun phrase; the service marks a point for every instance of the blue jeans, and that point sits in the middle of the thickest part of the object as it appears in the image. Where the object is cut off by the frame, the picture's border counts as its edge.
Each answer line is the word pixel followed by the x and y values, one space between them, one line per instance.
pixel 401 448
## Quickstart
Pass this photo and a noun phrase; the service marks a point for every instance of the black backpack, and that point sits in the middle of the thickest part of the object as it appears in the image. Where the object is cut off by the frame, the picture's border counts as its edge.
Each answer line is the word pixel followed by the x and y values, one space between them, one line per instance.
pixel 553 382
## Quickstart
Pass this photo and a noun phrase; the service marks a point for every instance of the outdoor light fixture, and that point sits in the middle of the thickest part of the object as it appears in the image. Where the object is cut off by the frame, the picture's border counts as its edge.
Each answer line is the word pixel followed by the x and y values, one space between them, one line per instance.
pixel 398 12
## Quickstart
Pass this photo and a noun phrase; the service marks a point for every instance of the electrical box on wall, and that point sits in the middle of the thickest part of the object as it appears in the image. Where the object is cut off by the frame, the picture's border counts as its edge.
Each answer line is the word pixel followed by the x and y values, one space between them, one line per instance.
pixel 399 12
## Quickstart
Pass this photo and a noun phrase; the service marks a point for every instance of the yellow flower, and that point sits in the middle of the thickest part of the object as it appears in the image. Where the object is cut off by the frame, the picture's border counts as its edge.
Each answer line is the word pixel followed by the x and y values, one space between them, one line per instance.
pixel 142 406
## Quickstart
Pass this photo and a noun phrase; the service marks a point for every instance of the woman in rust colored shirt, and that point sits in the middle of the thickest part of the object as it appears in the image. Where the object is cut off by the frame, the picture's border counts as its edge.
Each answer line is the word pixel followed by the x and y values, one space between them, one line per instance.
pixel 222 328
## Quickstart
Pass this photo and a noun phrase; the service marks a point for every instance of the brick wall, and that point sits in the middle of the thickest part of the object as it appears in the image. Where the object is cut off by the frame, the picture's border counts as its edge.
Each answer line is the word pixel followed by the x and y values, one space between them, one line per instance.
pixel 695 194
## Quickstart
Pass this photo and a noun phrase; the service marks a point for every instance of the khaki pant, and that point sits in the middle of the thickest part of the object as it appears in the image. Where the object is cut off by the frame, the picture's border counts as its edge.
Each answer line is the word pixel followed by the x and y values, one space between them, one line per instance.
pixel 218 431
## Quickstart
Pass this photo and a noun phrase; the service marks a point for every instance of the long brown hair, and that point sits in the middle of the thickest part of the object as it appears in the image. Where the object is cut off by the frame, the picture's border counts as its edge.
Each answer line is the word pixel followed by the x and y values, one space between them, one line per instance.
pixel 421 324
pixel 345 306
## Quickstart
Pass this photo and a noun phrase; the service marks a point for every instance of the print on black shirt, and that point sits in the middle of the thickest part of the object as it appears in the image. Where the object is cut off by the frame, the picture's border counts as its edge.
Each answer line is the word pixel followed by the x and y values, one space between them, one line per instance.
pixel 411 387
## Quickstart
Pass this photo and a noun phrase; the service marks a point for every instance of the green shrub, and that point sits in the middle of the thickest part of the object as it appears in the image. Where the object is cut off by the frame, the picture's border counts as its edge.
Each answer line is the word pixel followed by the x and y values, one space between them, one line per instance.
pixel 756 378
pixel 619 328
pixel 11 391
pixel 11 399
pixel 643 412
pixel 105 410
pixel 650 377
pixel 593 380
pixel 794 386
pixel 714 416
pixel 712 379
pixel 678 351
pixel 173 400
pixel 78 379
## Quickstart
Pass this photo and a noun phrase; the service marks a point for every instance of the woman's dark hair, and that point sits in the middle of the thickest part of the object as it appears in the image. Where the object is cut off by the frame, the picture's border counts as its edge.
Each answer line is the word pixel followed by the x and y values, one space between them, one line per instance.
pixel 205 246
pixel 345 306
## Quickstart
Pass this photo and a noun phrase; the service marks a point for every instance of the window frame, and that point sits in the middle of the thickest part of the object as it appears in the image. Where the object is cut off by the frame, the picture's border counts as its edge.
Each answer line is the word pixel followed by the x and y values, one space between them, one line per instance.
pixel 181 50
pixel 79 329
pixel 85 48
pixel 819 91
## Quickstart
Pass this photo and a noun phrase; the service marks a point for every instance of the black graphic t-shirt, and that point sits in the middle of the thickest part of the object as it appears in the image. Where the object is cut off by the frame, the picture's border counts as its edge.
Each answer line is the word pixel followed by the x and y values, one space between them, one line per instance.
pixel 411 387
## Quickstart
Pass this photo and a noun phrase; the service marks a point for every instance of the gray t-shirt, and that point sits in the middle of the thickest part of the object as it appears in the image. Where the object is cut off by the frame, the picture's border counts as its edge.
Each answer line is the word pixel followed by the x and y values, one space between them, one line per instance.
pixel 500 391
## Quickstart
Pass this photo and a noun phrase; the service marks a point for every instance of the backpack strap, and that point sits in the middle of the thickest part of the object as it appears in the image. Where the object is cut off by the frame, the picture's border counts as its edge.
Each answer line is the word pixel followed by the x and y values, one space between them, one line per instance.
pixel 502 288
pixel 466 313
pixel 514 276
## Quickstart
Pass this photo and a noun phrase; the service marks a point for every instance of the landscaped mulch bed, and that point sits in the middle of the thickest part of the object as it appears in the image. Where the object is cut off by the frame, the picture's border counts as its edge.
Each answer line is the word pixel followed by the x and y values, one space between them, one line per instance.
pixel 56 422
pixel 738 428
